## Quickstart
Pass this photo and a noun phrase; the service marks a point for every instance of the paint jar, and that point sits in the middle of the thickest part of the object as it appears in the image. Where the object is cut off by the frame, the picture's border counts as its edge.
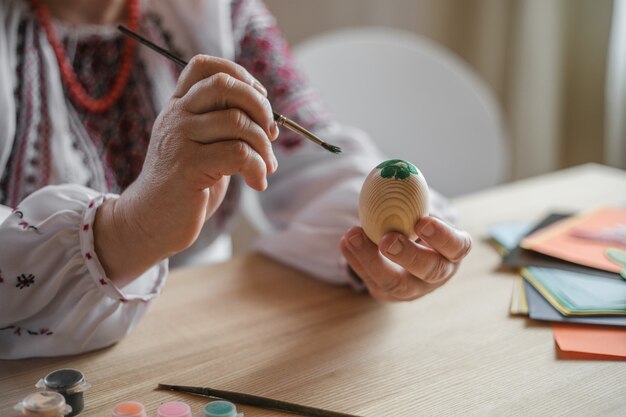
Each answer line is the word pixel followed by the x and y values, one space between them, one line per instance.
pixel 70 383
pixel 129 409
pixel 174 409
pixel 221 408
pixel 44 404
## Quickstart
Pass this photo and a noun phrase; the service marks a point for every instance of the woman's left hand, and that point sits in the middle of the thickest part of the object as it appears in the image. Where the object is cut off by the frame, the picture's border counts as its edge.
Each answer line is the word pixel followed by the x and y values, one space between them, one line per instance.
pixel 401 269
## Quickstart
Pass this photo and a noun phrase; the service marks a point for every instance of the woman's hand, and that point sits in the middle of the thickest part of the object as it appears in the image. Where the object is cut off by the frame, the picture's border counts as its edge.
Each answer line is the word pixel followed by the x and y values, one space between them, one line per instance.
pixel 402 269
pixel 218 123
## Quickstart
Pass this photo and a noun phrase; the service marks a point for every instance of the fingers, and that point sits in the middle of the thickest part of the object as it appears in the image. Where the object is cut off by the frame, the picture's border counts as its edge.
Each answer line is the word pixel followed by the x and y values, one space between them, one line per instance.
pixel 401 269
pixel 450 242
pixel 204 66
pixel 232 124
pixel 384 279
pixel 223 91
pixel 231 157
pixel 422 262
pixel 435 263
pixel 218 100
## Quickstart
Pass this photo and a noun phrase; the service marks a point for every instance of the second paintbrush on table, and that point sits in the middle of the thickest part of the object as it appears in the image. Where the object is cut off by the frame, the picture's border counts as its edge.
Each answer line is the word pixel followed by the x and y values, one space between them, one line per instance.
pixel 280 119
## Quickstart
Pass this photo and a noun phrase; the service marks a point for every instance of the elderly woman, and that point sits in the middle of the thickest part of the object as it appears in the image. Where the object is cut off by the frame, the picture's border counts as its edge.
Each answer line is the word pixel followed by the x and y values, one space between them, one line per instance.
pixel 113 163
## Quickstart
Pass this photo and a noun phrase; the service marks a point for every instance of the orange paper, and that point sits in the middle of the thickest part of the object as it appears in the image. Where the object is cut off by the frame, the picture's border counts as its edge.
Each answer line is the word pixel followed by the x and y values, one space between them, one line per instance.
pixel 577 341
pixel 563 239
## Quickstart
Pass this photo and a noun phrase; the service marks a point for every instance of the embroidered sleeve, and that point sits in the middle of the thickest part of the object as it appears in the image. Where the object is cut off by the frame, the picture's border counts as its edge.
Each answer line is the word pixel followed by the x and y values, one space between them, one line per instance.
pixel 55 298
pixel 261 48
pixel 313 197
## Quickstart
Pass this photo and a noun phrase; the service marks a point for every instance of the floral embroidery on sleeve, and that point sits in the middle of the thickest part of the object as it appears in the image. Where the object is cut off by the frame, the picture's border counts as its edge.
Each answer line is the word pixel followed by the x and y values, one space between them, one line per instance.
pixel 24 281
pixel 24 224
pixel 17 330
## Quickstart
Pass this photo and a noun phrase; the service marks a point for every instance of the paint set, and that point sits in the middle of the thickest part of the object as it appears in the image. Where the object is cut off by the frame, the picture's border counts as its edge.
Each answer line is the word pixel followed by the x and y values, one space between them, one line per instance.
pixel 61 395
pixel 218 408
pixel 62 391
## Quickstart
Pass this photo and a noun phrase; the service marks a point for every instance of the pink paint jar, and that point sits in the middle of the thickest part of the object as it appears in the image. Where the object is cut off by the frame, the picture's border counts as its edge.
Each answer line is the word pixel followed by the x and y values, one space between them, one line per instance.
pixel 174 409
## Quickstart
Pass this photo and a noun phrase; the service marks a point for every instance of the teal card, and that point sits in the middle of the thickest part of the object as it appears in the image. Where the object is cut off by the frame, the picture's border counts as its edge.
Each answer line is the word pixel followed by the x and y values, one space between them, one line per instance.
pixel 575 293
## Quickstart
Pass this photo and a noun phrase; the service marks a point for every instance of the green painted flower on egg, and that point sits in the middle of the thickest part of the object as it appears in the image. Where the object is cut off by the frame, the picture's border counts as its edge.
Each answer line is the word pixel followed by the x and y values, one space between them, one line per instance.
pixel 397 169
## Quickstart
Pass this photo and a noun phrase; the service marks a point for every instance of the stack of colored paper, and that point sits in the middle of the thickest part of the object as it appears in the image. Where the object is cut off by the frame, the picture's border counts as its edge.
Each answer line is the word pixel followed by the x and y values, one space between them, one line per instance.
pixel 573 274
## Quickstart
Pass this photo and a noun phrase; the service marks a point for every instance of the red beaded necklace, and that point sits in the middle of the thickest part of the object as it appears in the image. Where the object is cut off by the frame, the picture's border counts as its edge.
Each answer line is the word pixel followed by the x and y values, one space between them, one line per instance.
pixel 76 90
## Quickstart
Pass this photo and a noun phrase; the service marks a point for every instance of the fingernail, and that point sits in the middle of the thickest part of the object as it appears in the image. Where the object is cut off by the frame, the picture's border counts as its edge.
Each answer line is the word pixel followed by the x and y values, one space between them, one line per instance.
pixel 259 87
pixel 274 163
pixel 262 183
pixel 274 130
pixel 428 230
pixel 356 240
pixel 395 248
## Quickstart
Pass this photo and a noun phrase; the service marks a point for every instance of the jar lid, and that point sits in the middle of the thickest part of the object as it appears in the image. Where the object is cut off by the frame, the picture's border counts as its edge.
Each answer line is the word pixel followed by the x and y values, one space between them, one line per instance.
pixel 65 380
pixel 129 409
pixel 220 408
pixel 174 409
pixel 44 401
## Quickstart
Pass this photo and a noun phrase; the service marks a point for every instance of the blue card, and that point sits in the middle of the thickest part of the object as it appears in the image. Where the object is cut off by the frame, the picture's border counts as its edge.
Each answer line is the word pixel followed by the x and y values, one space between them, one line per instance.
pixel 540 309
pixel 574 293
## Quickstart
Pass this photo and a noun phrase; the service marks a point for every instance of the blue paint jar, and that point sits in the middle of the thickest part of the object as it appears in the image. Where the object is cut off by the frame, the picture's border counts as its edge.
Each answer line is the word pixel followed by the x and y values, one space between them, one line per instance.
pixel 221 408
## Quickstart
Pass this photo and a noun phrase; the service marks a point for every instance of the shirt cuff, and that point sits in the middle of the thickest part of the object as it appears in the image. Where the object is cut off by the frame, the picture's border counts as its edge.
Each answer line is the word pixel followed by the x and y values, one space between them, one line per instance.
pixel 142 289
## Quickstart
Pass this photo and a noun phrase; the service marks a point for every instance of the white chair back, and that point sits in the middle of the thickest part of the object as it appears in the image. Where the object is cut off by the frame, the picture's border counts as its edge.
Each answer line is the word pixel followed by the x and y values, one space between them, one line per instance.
pixel 417 101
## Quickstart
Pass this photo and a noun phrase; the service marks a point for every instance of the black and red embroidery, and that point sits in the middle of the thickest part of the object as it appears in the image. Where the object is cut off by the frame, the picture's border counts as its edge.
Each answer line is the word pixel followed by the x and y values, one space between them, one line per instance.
pixel 24 224
pixel 27 226
pixel 25 281
pixel 18 331
pixel 119 135
pixel 28 167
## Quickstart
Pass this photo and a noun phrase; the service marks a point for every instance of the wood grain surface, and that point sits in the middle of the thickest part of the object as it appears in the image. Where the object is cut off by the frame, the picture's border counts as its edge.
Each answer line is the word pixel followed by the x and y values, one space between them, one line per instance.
pixel 388 204
pixel 255 326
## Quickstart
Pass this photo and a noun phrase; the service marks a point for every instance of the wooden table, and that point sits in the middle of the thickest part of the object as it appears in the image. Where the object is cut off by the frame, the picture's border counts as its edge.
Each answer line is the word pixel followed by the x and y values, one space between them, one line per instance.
pixel 255 326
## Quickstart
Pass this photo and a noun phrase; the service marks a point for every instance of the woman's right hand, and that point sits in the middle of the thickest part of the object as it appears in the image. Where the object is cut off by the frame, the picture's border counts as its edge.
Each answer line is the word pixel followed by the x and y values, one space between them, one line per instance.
pixel 218 123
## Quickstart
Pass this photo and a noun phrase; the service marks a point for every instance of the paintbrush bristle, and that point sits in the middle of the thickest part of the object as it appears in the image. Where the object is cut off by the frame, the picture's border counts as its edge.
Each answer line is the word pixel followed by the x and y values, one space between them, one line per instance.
pixel 331 148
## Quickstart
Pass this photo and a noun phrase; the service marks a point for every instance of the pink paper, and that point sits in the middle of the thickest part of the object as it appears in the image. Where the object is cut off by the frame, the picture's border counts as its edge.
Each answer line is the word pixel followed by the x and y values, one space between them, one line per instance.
pixel 563 239
pixel 577 341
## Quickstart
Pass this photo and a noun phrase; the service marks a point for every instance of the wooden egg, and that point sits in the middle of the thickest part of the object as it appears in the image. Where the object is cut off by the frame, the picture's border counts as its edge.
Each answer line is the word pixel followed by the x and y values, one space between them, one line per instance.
pixel 393 198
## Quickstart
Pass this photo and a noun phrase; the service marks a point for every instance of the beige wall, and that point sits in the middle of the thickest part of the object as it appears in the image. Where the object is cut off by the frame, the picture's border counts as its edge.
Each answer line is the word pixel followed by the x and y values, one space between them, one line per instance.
pixel 456 24
pixel 544 59
pixel 585 75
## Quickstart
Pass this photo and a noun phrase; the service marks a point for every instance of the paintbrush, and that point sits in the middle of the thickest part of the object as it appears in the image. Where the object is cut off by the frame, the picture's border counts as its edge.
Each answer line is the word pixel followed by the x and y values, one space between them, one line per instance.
pixel 255 401
pixel 278 118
